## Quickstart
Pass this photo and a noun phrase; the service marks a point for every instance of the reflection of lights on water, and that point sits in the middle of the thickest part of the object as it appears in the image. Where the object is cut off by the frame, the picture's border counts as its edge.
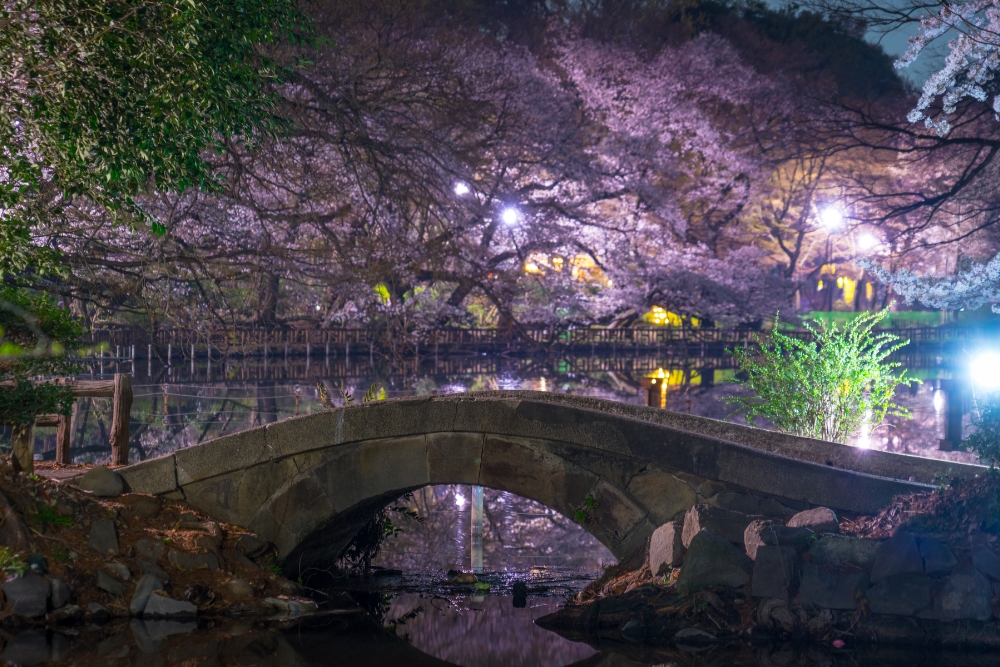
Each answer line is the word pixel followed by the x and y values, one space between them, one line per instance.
pixel 939 399
pixel 985 370
pixel 865 438
pixel 459 500
pixel 542 385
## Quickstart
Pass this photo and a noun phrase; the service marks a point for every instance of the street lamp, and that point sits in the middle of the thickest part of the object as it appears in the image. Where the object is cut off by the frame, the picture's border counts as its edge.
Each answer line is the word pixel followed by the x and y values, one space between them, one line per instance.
pixel 985 371
pixel 831 218
pixel 867 241
pixel 510 215
pixel 461 189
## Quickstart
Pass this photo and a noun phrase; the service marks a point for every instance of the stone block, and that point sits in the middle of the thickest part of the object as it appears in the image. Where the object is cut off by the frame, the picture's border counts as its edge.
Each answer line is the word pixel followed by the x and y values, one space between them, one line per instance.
pixel 153 476
pixel 142 508
pixel 454 458
pixel 160 605
pixel 59 592
pixel 965 595
pixel 819 520
pixel 102 482
pixel 769 532
pixel 984 560
pixel 897 555
pixel 27 595
pixel 222 455
pixel 120 570
pixel 823 589
pixel 149 549
pixel 776 572
pixel 360 472
pixel 727 524
pixel 299 510
pixel 900 595
pixel 111 585
pixel 252 546
pixel 614 518
pixel 663 495
pixel 144 587
pixel 738 502
pixel 186 561
pixel 938 559
pixel 103 537
pixel 149 567
pixel 712 561
pixel 840 550
pixel 665 548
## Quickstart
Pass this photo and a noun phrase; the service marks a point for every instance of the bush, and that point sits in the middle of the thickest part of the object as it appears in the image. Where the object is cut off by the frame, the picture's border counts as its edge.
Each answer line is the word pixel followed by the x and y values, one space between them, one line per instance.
pixel 985 441
pixel 826 388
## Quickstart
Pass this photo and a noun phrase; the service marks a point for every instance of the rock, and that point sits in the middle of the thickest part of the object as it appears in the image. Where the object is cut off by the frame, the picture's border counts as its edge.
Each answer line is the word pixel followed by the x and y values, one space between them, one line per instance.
pixel 665 548
pixel 97 612
pixel 771 507
pixel 146 644
pixel 143 588
pixel 822 589
pixel 185 561
pixel 148 567
pixel 251 545
pixel 840 550
pixel 966 595
pixel 149 549
pixel 694 637
pixel 237 558
pixel 109 584
pixel 14 534
pixel 897 555
pixel 143 508
pixel 159 605
pixel 738 502
pixel 712 560
pixel 37 563
pixel 240 588
pixel 161 629
pixel 520 592
pixel 900 595
pixel 208 543
pixel 67 614
pixel 725 523
pixel 188 517
pixel 984 560
pixel 58 592
pixel 102 482
pixel 464 578
pixel 820 520
pixel 776 572
pixel 290 606
pixel 103 537
pixel 938 558
pixel 27 595
pixel 633 630
pixel 27 648
pixel 119 570
pixel 768 532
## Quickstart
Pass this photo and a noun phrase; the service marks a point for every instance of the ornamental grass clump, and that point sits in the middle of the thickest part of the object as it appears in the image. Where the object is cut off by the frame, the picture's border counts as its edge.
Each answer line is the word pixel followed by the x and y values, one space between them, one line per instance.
pixel 827 388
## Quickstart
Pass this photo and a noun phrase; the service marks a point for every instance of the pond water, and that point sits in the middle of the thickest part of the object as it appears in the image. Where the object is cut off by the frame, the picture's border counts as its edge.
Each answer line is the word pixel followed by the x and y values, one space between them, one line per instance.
pixel 414 617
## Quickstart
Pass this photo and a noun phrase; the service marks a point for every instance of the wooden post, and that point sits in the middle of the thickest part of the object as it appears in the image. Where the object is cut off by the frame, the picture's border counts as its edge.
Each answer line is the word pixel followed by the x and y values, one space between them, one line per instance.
pixel 23 448
pixel 120 415
pixel 64 436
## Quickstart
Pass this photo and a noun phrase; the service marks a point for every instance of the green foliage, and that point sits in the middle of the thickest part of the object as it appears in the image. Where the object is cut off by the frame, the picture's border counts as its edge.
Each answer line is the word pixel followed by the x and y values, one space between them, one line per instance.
pixel 25 401
pixel 826 388
pixel 271 564
pixel 11 563
pixel 582 515
pixel 108 99
pixel 804 542
pixel 36 335
pixel 985 441
pixel 367 544
pixel 48 516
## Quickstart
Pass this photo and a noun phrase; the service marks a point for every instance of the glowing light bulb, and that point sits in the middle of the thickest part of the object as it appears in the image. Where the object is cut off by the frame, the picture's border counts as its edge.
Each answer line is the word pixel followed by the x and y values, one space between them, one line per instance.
pixel 985 371
pixel 460 500
pixel 461 189
pixel 867 241
pixel 510 216
pixel 831 217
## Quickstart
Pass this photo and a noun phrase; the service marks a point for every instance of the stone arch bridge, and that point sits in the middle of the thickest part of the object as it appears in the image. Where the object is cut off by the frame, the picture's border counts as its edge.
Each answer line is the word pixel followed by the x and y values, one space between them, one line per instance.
pixel 307 484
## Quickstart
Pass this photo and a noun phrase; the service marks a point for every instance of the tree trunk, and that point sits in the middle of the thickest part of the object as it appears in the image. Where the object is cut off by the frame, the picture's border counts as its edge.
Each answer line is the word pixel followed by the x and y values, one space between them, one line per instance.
pixel 267 313
pixel 120 414
pixel 23 448
pixel 64 436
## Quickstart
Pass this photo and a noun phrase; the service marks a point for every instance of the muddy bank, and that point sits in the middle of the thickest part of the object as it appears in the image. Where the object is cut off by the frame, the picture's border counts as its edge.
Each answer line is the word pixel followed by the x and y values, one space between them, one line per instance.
pixel 82 547
pixel 923 572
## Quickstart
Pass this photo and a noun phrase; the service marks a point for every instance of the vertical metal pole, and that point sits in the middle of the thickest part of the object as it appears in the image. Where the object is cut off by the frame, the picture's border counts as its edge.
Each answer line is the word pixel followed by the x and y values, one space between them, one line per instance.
pixel 477 529
pixel 192 361
pixel 149 360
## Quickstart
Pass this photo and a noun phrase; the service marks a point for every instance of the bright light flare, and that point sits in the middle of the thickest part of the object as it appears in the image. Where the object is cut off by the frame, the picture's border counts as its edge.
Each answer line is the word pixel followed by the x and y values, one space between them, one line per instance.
pixel 831 217
pixel 510 216
pixel 985 371
pixel 461 189
pixel 867 241
pixel 459 500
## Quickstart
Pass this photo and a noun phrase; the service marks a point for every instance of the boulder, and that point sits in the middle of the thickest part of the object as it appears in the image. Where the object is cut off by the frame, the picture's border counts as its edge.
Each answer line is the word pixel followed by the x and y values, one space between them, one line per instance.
pixel 292 607
pixel 820 520
pixel 727 524
pixel 240 588
pixel 149 549
pixel 840 550
pixel 665 548
pixel 110 584
pixel 103 537
pixel 99 613
pixel 251 545
pixel 185 561
pixel 149 567
pixel 900 594
pixel 100 481
pixel 69 613
pixel 27 648
pixel 159 605
pixel 938 558
pixel 58 592
pixel 822 589
pixel 119 570
pixel 768 532
pixel 776 572
pixel 984 560
pixel 966 595
pixel 712 560
pixel 27 595
pixel 143 508
pixel 897 555
pixel 208 543
pixel 143 588
pixel 238 559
